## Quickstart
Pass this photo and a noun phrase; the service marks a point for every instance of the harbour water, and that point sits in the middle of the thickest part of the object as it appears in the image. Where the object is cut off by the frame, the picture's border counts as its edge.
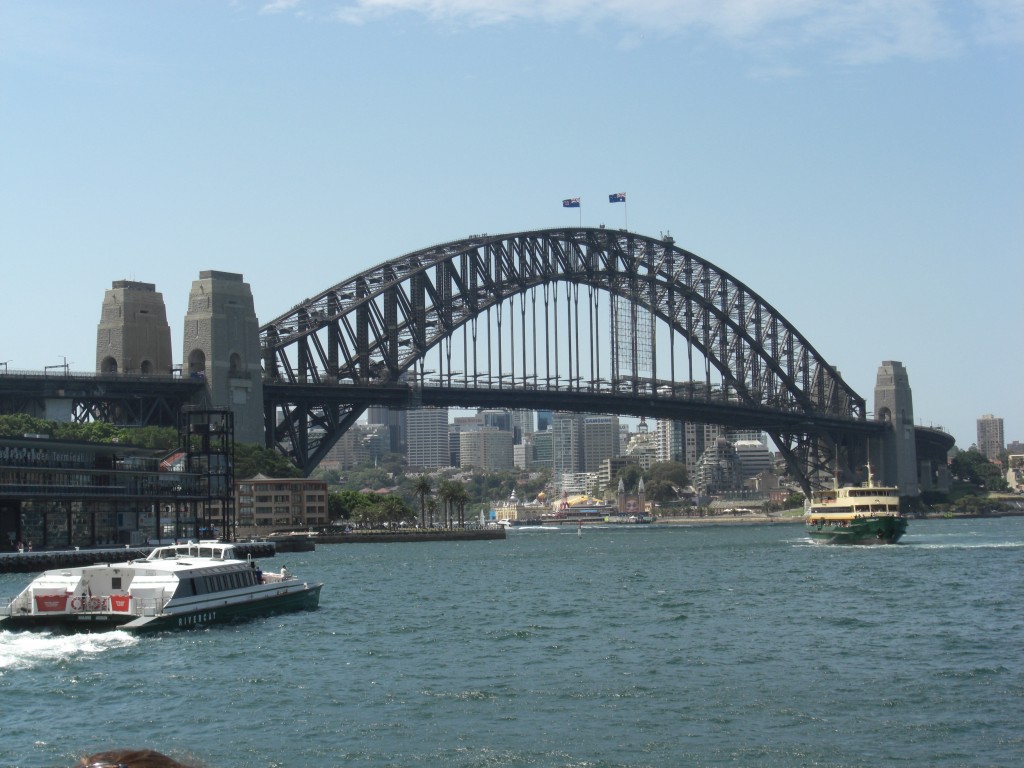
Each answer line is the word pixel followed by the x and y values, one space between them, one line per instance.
pixel 641 646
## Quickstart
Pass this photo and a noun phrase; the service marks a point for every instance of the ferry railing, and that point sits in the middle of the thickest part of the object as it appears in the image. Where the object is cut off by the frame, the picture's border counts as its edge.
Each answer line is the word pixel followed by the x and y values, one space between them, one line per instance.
pixel 84 605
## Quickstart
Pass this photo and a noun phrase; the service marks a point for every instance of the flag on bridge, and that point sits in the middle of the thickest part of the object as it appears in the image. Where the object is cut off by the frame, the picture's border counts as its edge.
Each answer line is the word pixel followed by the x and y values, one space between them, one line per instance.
pixel 618 197
pixel 572 202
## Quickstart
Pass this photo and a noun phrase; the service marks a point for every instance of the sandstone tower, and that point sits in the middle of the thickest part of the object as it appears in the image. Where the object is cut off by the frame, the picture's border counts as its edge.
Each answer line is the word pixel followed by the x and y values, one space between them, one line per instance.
pixel 133 335
pixel 221 344
pixel 894 405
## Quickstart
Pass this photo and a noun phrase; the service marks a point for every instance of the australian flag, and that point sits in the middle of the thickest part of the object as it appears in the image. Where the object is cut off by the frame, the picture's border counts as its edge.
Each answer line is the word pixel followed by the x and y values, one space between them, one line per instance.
pixel 618 197
pixel 572 202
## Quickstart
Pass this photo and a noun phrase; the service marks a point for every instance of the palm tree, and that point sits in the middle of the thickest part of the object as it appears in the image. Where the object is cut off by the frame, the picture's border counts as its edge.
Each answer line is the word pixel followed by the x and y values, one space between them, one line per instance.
pixel 422 488
pixel 446 492
pixel 460 497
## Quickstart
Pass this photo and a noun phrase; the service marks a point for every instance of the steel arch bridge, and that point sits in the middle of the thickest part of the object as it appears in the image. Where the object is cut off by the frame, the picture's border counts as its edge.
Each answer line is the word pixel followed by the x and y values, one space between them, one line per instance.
pixel 577 319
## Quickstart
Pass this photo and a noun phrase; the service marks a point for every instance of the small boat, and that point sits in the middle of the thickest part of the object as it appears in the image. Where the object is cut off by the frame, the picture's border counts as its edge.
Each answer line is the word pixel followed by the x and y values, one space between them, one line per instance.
pixel 509 523
pixel 633 519
pixel 865 514
pixel 174 587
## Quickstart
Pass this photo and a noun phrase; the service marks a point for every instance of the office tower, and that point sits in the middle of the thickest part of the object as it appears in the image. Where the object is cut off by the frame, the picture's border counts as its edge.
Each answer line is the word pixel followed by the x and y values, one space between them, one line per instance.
pixel 990 436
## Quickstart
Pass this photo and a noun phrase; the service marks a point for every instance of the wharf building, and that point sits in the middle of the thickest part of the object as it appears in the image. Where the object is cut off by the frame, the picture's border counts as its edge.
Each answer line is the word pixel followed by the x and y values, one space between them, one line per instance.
pixel 60 494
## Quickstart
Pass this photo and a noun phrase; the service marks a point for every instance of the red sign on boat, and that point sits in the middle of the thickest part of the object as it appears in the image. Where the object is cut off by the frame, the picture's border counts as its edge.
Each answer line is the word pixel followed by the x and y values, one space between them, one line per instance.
pixel 120 602
pixel 51 603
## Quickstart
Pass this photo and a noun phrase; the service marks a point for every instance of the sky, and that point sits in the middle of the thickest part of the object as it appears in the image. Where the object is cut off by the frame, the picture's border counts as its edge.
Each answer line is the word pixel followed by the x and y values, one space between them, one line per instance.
pixel 859 164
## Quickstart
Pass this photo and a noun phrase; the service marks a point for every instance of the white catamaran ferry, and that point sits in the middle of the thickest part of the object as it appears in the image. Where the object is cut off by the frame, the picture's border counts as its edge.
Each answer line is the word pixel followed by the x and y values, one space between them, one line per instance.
pixel 177 586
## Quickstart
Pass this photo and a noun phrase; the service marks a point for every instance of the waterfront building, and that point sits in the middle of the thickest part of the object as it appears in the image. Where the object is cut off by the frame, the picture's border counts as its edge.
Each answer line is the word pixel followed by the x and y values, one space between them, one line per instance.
pixel 58 494
pixel 990 437
pixel 428 446
pixel 266 504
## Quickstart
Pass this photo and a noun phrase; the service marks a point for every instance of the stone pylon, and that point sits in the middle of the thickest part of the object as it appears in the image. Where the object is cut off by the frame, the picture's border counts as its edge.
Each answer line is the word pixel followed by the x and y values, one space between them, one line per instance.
pixel 894 405
pixel 133 335
pixel 221 344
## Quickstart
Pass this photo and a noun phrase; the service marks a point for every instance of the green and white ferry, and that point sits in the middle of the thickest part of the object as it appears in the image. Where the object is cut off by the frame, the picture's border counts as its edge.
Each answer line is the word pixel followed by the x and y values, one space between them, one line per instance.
pixel 865 514
pixel 175 587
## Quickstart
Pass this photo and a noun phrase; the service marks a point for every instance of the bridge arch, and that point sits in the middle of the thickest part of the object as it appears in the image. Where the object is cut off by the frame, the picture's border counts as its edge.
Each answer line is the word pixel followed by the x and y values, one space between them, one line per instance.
pixel 676 327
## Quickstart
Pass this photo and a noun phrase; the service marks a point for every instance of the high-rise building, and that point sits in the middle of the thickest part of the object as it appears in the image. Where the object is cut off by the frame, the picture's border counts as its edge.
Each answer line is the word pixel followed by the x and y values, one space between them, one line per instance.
pixel 359 446
pixel 718 470
pixel 394 420
pixel 990 436
pixel 541 452
pixel 488 448
pixel 754 456
pixel 565 444
pixel 600 440
pixel 544 420
pixel 427 438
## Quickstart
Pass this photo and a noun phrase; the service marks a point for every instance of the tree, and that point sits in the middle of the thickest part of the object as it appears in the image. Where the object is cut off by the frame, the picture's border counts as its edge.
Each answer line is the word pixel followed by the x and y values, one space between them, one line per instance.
pixel 673 472
pixel 446 492
pixel 972 467
pixel 460 498
pixel 422 489
pixel 629 474
pixel 454 495
pixel 252 460
pixel 660 491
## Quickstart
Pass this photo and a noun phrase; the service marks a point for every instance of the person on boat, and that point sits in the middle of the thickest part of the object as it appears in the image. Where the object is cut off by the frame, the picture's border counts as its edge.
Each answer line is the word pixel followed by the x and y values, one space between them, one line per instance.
pixel 285 574
pixel 130 758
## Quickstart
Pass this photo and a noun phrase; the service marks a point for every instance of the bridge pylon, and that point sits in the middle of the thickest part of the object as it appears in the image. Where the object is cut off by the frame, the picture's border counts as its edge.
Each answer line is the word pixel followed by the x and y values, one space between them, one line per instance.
pixel 896 461
pixel 133 335
pixel 222 346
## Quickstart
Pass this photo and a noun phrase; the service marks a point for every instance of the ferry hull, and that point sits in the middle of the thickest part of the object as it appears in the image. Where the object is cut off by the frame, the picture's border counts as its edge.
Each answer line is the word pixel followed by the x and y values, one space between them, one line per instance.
pixel 214 612
pixel 866 531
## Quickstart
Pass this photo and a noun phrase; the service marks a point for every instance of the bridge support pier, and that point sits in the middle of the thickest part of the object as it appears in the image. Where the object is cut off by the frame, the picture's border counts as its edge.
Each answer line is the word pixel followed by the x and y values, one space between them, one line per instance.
pixel 894 405
pixel 222 346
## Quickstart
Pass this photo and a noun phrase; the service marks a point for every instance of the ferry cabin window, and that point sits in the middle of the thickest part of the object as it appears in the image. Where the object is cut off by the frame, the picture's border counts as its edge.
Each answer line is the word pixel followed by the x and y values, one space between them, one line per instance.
pixel 115 582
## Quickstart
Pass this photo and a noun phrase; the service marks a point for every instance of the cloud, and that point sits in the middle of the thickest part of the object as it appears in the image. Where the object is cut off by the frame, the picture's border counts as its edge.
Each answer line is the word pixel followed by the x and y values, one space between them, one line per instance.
pixel 279 6
pixel 853 31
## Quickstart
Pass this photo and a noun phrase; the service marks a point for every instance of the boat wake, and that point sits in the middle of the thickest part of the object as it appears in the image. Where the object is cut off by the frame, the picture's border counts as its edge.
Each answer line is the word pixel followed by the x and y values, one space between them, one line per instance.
pixel 966 544
pixel 25 650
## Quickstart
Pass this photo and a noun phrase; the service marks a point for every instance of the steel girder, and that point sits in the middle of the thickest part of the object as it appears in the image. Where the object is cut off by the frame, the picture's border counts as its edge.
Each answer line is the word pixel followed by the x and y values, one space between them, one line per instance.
pixel 376 325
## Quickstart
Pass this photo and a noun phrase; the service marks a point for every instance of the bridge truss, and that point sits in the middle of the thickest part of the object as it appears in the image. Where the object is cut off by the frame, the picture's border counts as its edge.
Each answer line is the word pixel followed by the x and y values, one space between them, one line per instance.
pixel 538 317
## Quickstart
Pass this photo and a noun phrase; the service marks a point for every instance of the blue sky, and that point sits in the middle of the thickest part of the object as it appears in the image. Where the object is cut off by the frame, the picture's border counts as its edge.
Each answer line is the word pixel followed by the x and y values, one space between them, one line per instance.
pixel 859 164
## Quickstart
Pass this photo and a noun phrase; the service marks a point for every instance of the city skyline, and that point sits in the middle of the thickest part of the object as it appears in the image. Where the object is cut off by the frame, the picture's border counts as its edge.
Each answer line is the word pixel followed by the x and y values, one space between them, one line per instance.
pixel 860 168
